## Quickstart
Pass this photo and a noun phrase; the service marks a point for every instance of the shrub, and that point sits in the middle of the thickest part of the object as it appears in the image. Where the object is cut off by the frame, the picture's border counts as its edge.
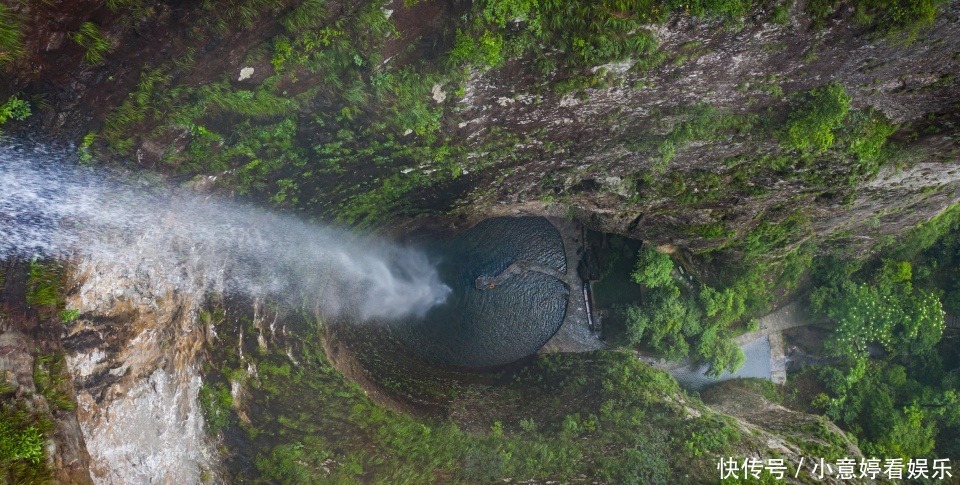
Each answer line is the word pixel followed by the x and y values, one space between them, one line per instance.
pixel 216 403
pixel 870 135
pixel 14 108
pixel 811 126
pixel 721 353
pixel 485 51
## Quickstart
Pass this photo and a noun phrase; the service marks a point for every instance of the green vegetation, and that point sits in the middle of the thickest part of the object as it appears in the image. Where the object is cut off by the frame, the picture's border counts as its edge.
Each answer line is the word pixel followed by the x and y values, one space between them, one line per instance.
pixel 811 126
pixel 14 108
pixel 43 285
pixel 332 132
pixel 887 310
pixel 603 414
pixel 11 35
pixel 50 378
pixel 699 319
pixel 24 429
pixel 84 154
pixel 899 19
pixel 654 269
pixel 21 447
pixel 92 40
pixel 674 322
pixel 704 124
pixel 27 412
pixel 69 315
pixel 903 400
pixel 578 34
pixel 825 145
pixel 216 403
pixel 781 14
pixel 822 126
pixel 336 132
pixel 22 439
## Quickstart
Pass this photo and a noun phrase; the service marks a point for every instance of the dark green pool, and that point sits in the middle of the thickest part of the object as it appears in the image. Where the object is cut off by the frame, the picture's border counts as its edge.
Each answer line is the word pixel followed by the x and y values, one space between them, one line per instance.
pixel 500 325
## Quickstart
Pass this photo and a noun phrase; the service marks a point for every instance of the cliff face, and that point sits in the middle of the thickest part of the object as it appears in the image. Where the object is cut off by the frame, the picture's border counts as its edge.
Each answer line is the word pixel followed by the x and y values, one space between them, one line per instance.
pixel 684 146
pixel 29 343
pixel 753 69
pixel 134 356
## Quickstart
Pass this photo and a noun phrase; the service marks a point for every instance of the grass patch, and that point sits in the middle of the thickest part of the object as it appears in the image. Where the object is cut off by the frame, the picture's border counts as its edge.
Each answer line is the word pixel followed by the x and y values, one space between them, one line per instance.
pixel 50 377
pixel 93 42
pixel 43 285
pixel 11 35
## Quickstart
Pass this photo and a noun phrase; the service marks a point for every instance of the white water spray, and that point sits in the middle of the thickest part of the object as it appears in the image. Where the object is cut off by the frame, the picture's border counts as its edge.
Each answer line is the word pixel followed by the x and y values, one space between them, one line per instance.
pixel 53 209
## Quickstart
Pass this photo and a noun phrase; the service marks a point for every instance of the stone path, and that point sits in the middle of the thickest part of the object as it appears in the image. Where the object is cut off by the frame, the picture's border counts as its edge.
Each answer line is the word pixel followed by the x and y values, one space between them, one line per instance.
pixel 574 334
pixel 490 282
pixel 790 316
pixel 778 360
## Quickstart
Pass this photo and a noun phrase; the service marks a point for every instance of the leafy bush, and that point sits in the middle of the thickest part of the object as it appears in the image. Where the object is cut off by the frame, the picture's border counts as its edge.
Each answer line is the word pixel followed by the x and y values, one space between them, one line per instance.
pixel 14 108
pixel 899 19
pixel 811 125
pixel 673 323
pixel 869 136
pixel 586 33
pixel 904 402
pixel 722 354
pixel 485 51
pixel 709 435
pixel 703 124
pixel 904 17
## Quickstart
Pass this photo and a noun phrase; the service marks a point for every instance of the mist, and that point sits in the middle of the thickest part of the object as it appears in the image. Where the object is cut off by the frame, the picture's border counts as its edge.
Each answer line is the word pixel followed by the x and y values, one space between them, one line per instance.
pixel 51 208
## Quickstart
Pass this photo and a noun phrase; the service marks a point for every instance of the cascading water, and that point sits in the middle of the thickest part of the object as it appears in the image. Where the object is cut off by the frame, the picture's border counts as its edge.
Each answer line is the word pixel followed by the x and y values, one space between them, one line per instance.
pixel 50 208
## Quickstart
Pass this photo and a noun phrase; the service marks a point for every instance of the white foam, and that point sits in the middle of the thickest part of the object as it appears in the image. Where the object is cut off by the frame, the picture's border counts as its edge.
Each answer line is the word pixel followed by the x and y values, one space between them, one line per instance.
pixel 52 208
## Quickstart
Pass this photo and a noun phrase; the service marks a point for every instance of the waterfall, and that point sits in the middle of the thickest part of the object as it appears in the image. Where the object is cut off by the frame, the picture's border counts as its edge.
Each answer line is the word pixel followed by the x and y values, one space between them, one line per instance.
pixel 52 208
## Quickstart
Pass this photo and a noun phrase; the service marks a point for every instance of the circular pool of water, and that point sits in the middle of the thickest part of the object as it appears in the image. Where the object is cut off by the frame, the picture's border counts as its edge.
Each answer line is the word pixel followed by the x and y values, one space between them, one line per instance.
pixel 493 326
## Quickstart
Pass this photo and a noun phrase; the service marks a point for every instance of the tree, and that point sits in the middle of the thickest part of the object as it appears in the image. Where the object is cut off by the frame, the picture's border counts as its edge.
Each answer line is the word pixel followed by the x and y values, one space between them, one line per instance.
pixel 888 311
pixel 654 269
pixel 723 354
pixel 637 323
